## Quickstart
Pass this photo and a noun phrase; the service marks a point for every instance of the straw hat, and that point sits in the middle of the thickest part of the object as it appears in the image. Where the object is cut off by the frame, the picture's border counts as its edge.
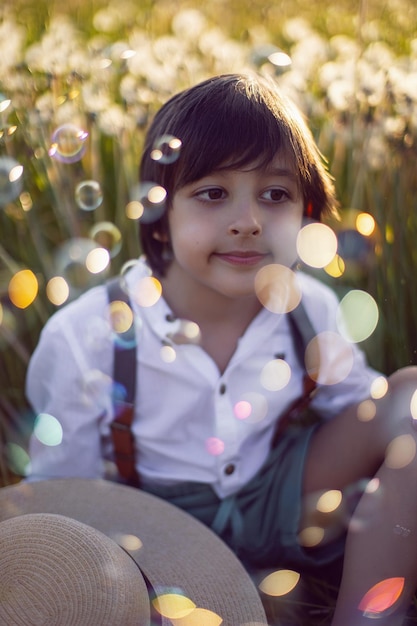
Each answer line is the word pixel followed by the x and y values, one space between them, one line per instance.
pixel 85 552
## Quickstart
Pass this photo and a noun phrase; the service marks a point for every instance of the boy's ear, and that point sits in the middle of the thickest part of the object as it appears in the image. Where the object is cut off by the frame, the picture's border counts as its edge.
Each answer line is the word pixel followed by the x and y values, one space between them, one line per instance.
pixel 166 251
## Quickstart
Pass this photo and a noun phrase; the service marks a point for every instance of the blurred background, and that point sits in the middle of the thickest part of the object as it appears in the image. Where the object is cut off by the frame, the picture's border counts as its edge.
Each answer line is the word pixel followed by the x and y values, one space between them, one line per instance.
pixel 79 81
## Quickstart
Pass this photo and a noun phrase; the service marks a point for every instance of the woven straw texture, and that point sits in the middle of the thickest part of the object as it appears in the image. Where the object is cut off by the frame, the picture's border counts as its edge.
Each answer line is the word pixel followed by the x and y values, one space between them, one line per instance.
pixel 172 549
pixel 56 570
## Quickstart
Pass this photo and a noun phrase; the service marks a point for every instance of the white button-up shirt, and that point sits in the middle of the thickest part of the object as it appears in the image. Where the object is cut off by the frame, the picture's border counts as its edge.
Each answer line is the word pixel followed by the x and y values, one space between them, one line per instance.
pixel 190 422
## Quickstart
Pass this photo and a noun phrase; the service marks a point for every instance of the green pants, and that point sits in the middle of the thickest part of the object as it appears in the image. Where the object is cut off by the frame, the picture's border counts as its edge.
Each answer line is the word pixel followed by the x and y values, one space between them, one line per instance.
pixel 260 522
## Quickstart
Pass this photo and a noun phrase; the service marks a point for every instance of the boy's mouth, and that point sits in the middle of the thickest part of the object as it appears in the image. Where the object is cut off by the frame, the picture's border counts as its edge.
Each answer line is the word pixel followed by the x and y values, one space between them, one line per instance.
pixel 241 257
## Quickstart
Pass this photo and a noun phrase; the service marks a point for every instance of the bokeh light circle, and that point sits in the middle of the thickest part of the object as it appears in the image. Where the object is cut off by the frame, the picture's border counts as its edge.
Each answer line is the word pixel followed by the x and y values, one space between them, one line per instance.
pixel 252 407
pixel 279 583
pixel 57 290
pixel 381 597
pixel 168 354
pixel 97 260
pixel 5 102
pixel 48 430
pixel 311 537
pixel 277 289
pixel 379 387
pixel 121 316
pixel 185 331
pixel 275 375
pixel 131 543
pixel 316 245
pixel 329 358
pixel 280 59
pixel 214 446
pixel 400 452
pixel 88 195
pixel 68 143
pixel 329 501
pixel 242 409
pixel 148 291
pixel 173 605
pixel 357 315
pixel 413 405
pixel 11 182
pixel 17 459
pixel 336 267
pixel 365 224
pixel 23 288
pixel 366 411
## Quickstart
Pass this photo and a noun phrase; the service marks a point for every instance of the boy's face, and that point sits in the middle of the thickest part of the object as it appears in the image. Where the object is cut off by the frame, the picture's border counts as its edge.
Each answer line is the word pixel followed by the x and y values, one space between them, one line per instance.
pixel 227 225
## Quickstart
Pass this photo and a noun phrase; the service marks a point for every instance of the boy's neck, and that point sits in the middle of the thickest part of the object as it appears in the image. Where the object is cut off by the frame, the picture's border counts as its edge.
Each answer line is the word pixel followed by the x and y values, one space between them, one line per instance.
pixel 207 308
pixel 221 320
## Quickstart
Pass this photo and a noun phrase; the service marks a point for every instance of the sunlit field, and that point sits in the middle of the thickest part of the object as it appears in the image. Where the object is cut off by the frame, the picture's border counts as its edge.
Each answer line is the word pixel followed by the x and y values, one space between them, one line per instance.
pixel 79 82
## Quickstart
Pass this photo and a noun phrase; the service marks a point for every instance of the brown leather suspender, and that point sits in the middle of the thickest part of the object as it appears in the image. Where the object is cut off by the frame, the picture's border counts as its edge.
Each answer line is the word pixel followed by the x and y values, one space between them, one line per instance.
pixel 124 391
pixel 124 385
pixel 302 333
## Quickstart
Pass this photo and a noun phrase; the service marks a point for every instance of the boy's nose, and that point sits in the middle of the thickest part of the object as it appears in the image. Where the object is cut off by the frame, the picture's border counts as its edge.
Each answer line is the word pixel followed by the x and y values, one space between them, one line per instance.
pixel 246 221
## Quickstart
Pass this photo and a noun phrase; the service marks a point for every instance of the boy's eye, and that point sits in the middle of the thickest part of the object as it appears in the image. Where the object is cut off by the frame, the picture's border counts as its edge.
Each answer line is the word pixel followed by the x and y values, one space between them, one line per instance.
pixel 213 193
pixel 275 195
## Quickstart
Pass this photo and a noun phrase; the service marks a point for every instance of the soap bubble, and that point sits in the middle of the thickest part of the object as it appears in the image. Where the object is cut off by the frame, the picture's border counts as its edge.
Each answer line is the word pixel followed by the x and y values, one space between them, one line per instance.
pixel 150 197
pixel 72 261
pixel 108 236
pixel 10 179
pixel 68 143
pixel 166 149
pixel 88 195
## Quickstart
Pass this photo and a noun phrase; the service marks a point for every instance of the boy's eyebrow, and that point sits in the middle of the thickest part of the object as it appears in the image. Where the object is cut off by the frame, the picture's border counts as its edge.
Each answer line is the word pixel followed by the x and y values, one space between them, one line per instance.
pixel 270 170
pixel 276 170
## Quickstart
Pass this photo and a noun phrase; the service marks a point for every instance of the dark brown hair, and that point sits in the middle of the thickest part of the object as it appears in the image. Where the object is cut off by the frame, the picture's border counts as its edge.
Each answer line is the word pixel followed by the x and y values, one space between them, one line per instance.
pixel 230 121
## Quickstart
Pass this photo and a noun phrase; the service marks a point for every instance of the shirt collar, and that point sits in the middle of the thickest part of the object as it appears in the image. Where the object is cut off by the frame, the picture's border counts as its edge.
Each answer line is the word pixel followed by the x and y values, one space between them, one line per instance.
pixel 168 328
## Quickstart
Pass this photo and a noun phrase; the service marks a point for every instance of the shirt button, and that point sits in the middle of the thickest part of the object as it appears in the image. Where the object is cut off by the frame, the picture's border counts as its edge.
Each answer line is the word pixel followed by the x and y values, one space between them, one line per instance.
pixel 229 469
pixel 222 389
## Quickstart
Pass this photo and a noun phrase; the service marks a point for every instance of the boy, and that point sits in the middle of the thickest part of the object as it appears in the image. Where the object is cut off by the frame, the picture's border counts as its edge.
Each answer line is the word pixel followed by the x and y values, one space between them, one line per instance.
pixel 244 176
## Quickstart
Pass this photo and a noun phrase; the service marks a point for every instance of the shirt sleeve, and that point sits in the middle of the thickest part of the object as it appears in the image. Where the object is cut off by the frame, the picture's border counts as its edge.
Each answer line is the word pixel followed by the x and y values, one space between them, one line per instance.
pixel 69 387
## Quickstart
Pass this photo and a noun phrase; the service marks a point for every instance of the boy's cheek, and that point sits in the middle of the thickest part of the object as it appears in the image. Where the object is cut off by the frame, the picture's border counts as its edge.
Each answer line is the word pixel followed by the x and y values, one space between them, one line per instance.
pixel 285 244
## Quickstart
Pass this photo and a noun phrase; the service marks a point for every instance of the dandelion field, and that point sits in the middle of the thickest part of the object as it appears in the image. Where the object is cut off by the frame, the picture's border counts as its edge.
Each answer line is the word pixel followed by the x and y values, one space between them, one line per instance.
pixel 79 82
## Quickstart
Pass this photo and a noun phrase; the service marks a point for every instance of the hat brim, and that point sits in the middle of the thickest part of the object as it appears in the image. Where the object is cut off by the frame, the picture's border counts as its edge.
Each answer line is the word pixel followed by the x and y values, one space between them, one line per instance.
pixel 174 551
